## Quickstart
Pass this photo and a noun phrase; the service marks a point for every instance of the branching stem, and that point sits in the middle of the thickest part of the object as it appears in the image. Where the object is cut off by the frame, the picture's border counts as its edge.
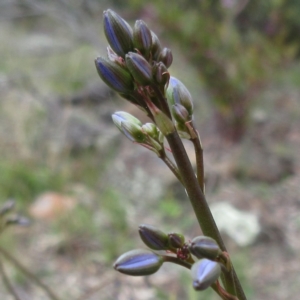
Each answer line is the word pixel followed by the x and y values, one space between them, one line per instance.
pixel 29 274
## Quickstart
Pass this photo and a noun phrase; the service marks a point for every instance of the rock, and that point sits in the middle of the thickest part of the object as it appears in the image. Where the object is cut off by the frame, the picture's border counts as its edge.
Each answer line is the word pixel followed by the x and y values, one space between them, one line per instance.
pixel 242 227
pixel 51 205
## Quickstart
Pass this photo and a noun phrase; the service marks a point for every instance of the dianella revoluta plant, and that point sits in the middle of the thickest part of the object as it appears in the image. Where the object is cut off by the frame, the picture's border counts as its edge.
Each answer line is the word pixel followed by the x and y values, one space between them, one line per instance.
pixel 136 67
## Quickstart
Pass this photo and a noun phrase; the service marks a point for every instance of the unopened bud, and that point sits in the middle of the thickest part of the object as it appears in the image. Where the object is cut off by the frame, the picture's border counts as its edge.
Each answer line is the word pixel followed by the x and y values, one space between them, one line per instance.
pixel 142 38
pixel 17 220
pixel 205 272
pixel 156 46
pixel 153 237
pixel 151 130
pixel 180 114
pixel 138 263
pixel 129 126
pixel 114 75
pixel 118 33
pixel 176 240
pixel 177 93
pixel 160 73
pixel 205 247
pixel 7 207
pixel 139 68
pixel 166 57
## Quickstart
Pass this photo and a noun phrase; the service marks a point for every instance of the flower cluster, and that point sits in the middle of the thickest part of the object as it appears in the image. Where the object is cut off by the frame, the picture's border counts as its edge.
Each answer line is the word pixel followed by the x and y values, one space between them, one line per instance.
pixel 202 255
pixel 136 67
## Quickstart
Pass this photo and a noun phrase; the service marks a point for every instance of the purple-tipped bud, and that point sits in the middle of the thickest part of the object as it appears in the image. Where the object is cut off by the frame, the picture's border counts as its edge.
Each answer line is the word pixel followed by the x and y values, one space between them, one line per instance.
pixel 166 57
pixel 142 38
pixel 17 220
pixel 160 73
pixel 138 263
pixel 205 247
pixel 139 68
pixel 129 126
pixel 153 237
pixel 180 114
pixel 177 93
pixel 156 46
pixel 114 75
pixel 118 33
pixel 7 207
pixel 205 272
pixel 176 240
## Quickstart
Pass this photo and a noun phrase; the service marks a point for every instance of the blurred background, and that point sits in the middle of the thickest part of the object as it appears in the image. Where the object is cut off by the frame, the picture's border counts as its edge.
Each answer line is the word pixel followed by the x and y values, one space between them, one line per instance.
pixel 86 188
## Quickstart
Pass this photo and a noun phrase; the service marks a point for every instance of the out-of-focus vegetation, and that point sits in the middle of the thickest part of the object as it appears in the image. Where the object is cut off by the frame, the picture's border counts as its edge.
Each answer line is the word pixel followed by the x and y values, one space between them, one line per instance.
pixel 246 54
pixel 235 45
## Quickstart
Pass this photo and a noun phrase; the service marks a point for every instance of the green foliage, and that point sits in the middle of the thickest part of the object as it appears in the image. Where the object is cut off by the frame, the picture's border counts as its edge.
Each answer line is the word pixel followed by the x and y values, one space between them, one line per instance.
pixel 23 180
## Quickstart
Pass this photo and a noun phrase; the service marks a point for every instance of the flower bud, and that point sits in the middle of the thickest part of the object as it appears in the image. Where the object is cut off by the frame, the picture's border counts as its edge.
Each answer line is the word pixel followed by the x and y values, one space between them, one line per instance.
pixel 129 126
pixel 204 273
pixel 176 240
pixel 114 75
pixel 138 263
pixel 205 247
pixel 156 46
pixel 166 57
pixel 154 238
pixel 139 68
pixel 178 93
pixel 17 220
pixel 151 130
pixel 7 207
pixel 180 114
pixel 142 38
pixel 118 33
pixel 160 73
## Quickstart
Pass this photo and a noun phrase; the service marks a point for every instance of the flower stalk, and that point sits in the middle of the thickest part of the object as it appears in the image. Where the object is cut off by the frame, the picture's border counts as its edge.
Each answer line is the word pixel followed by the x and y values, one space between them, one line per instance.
pixel 137 68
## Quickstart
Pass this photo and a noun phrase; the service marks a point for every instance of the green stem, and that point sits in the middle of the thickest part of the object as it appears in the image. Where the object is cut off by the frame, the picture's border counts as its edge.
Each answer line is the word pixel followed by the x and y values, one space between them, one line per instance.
pixel 171 165
pixel 199 161
pixel 177 261
pixel 30 275
pixel 200 206
pixel 7 283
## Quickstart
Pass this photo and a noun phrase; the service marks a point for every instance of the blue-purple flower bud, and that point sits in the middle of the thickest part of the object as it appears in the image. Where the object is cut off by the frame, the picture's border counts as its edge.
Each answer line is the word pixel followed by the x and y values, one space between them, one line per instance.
pixel 156 46
pixel 114 75
pixel 166 57
pixel 180 114
pixel 139 68
pixel 153 237
pixel 138 263
pixel 205 247
pixel 118 33
pixel 177 93
pixel 205 272
pixel 142 38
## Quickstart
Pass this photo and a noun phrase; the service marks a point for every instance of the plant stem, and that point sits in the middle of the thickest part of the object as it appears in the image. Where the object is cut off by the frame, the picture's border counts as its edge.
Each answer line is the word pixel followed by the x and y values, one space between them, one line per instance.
pixel 199 160
pixel 201 208
pixel 177 261
pixel 28 273
pixel 7 283
pixel 171 165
